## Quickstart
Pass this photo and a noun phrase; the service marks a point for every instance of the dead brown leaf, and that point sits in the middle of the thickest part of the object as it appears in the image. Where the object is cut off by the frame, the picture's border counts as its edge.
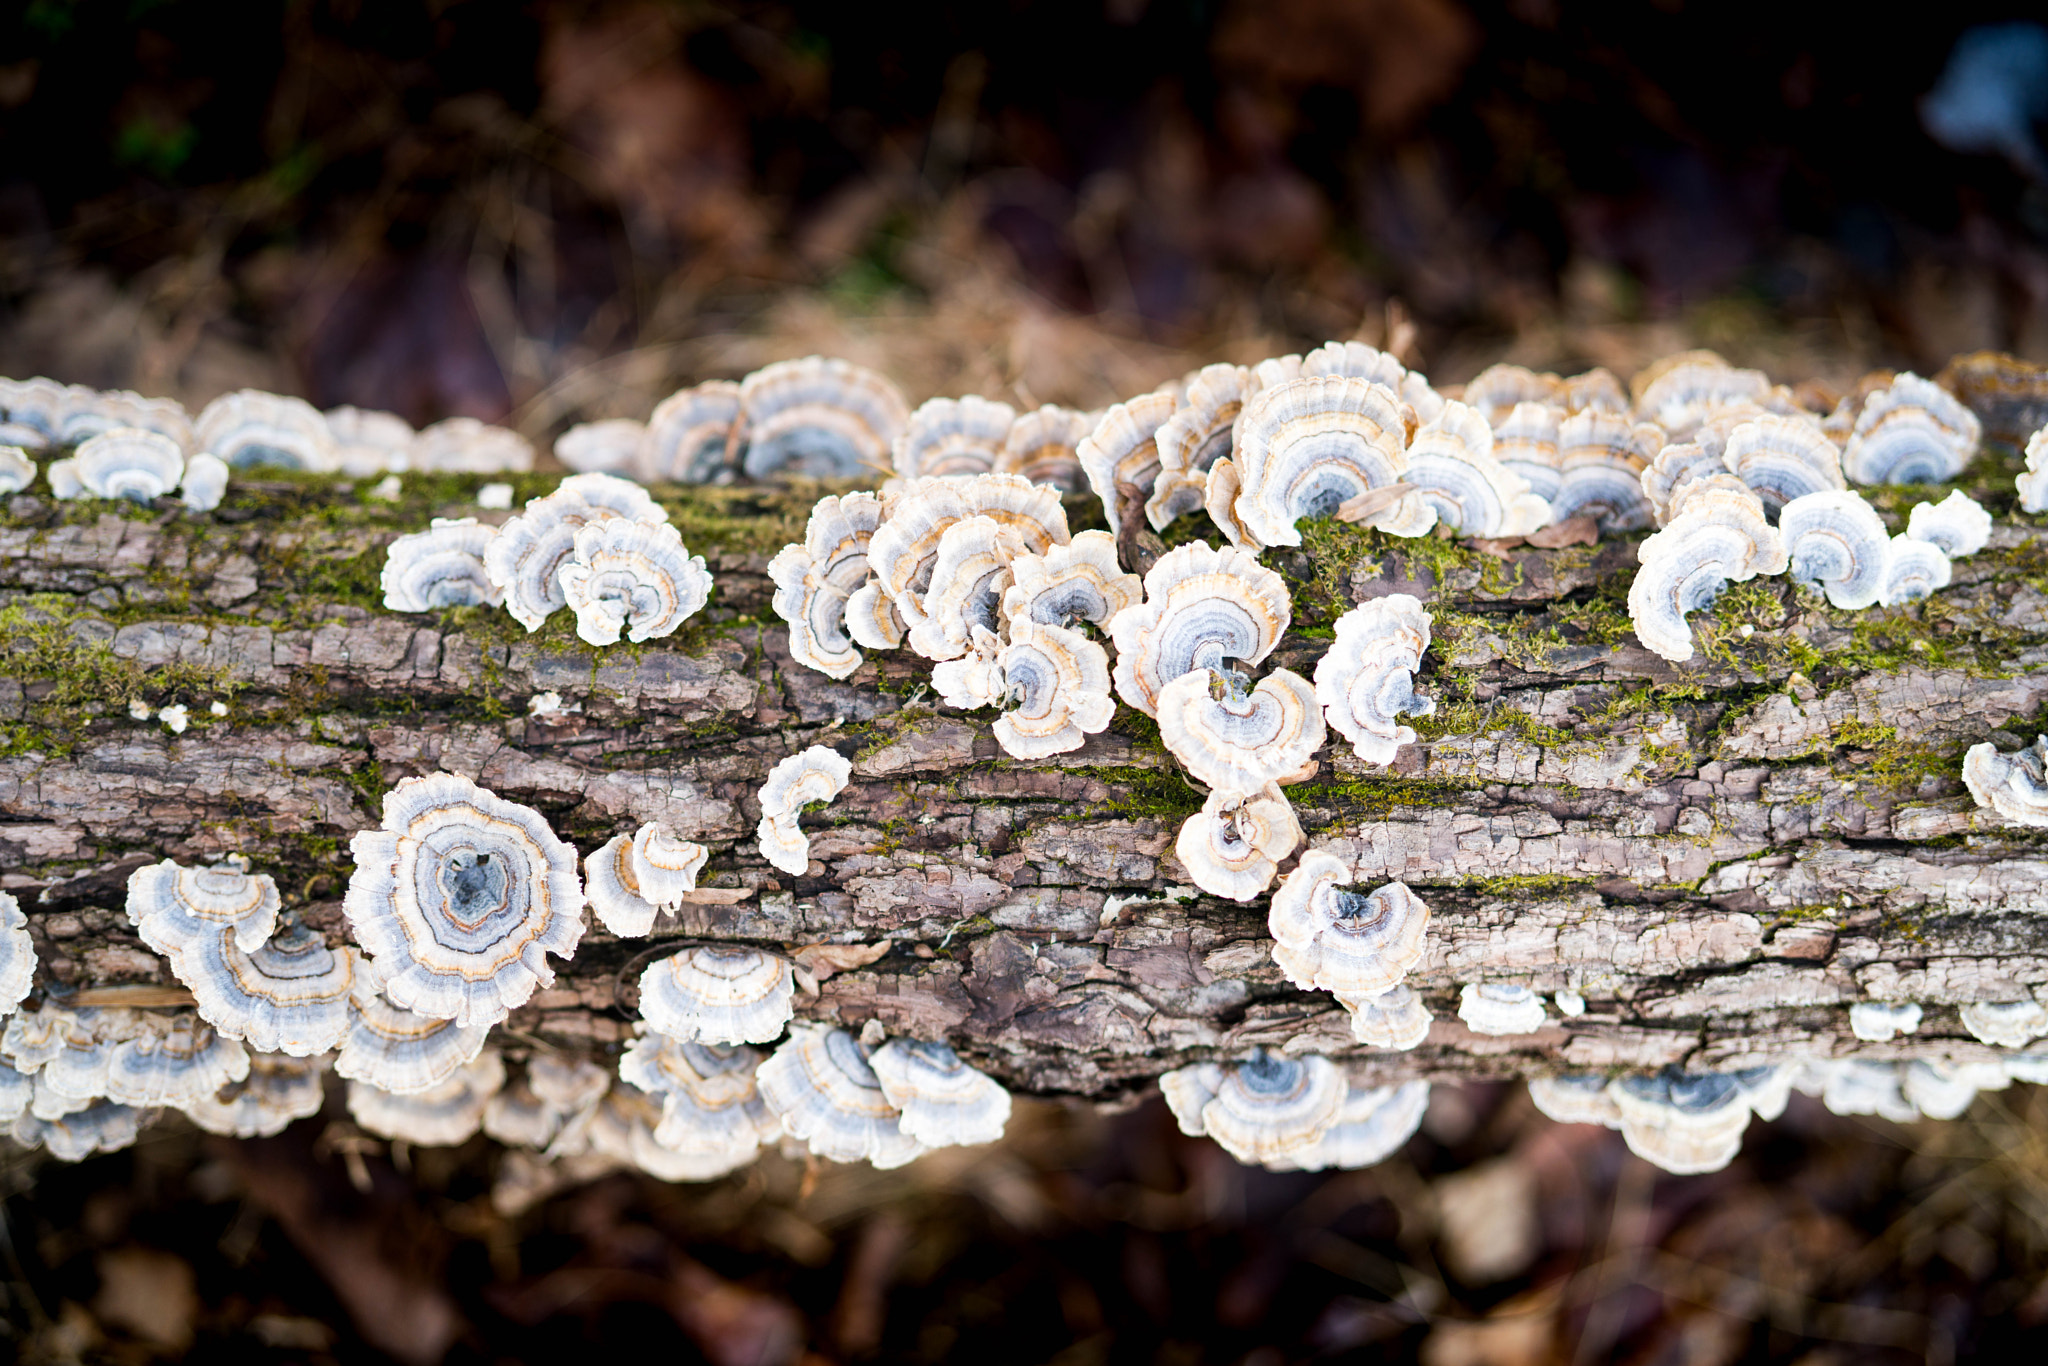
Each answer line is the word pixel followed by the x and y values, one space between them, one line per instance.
pixel 823 960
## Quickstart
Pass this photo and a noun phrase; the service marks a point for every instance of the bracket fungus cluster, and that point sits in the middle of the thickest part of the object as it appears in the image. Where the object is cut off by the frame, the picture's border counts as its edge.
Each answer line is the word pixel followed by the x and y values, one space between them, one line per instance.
pixel 2015 785
pixel 632 880
pixel 1293 1113
pixel 816 774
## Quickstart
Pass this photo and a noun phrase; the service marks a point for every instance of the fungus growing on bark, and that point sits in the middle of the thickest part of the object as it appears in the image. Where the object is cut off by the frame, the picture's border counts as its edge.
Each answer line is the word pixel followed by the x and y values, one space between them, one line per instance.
pixel 1500 1008
pixel 820 418
pixel 1525 443
pixel 442 566
pixel 1913 569
pixel 1202 608
pixel 276 1091
pixel 17 954
pixel 1367 679
pixel 465 445
pixel 205 482
pixel 975 679
pixel 820 1086
pixel 1719 536
pixel 460 897
pixel 440 1116
pixel 1672 471
pixel 609 446
pixel 1076 582
pixel 1261 1110
pixel 636 878
pixel 717 994
pixel 1194 438
pixel 1305 448
pixel 396 1049
pixel 1042 446
pixel 1329 938
pixel 952 436
pixel 816 774
pixel 289 995
pixel 88 412
pixel 525 556
pixel 1783 459
pixel 124 463
pixel 1684 1122
pixel 1913 432
pixel 2013 785
pixel 1859 1086
pixel 1601 457
pixel 1055 683
pixel 1452 466
pixel 2005 1024
pixel 368 442
pixel 1837 542
pixel 2033 481
pixel 170 905
pixel 1232 847
pixel 1360 361
pixel 1576 1098
pixel 689 436
pixel 1882 1021
pixel 632 577
pixel 1680 392
pixel 815 579
pixel 249 428
pixel 711 1106
pixel 903 553
pixel 102 1127
pixel 1958 524
pixel 969 576
pixel 1396 1019
pixel 183 1064
pixel 1372 1124
pixel 1120 455
pixel 17 471
pixel 943 1102
pixel 1497 390
pixel 1228 735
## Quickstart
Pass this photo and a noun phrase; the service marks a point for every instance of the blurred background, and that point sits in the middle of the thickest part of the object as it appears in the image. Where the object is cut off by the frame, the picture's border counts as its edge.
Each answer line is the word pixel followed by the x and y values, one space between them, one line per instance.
pixel 546 213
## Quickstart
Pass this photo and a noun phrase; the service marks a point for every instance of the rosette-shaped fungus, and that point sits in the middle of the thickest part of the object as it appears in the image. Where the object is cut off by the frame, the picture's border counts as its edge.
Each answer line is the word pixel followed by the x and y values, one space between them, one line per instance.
pixel 1121 455
pixel 2005 1024
pixel 717 994
pixel 368 442
pixel 1914 432
pixel 632 577
pixel 819 1084
pixel 1940 1092
pixel 711 1107
pixel 1071 583
pixel 689 436
pixel 1043 447
pixel 1330 938
pixel 1306 448
pixel 528 552
pixel 903 553
pixel 1055 683
pixel 824 419
pixel 1601 457
pixel 817 774
pixel 1264 1109
pixel 74 1049
pixel 554 1093
pixel 171 905
pixel 1232 736
pixel 1576 1098
pixel 31 409
pixel 1883 1021
pixel 396 1049
pixel 1499 388
pixel 1525 443
pixel 1680 392
pixel 1360 361
pixel 1859 1086
pixel 1500 1008
pixel 1232 847
pixel 290 995
pixel 1837 542
pixel 265 1102
pixel 17 471
pixel 124 463
pixel 1396 1018
pixel 1958 524
pixel 1782 459
pixel 2013 785
pixel 1372 1124
pixel 102 1127
pixel 441 1116
pixel 442 566
pixel 205 482
pixel 1367 680
pixel 949 436
pixel 2033 481
pixel 975 679
pixel 1202 607
pixel 17 954
pixel 178 1066
pixel 460 897
pixel 249 428
pixel 1452 466
pixel 944 1102
pixel 1194 438
pixel 609 446
pixel 1683 1122
pixel 1912 570
pixel 465 445
pixel 95 411
pixel 1673 470
pixel 814 580
pixel 969 576
pixel 1719 536
pixel 635 878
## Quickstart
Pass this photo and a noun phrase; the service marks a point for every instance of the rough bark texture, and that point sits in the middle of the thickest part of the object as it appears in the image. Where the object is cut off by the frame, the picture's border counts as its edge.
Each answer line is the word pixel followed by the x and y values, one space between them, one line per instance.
pixel 1721 855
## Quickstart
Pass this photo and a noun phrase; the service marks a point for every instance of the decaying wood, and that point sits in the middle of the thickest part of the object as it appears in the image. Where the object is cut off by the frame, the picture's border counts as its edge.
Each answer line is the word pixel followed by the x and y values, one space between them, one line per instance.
pixel 1720 856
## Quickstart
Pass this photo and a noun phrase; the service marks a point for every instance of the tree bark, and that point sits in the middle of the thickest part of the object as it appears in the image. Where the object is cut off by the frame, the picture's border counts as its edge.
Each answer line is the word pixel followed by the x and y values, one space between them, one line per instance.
pixel 1720 856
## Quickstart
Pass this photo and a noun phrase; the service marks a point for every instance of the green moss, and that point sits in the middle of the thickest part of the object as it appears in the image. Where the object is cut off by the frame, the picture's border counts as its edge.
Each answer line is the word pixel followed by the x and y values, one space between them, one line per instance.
pixel 1378 797
pixel 1162 794
pixel 1532 885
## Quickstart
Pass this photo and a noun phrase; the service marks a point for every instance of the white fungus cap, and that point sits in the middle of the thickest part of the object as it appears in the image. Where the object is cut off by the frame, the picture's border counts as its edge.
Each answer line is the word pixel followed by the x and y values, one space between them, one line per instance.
pixel 717 994
pixel 170 904
pixel 443 1115
pixel 816 774
pixel 440 567
pixel 1500 1008
pixel 400 1050
pixel 17 954
pixel 820 1085
pixel 1329 938
pixel 276 1091
pixel 1261 1110
pixel 945 1103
